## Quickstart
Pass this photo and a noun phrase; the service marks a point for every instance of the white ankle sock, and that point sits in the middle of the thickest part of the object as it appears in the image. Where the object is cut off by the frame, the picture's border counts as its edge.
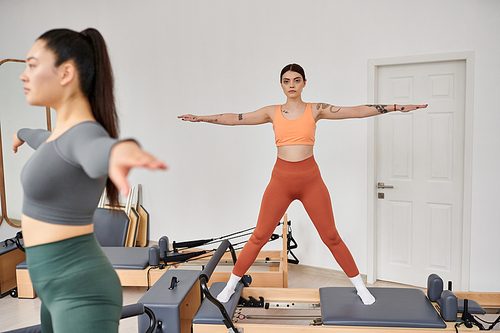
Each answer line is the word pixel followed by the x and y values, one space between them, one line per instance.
pixel 228 290
pixel 363 292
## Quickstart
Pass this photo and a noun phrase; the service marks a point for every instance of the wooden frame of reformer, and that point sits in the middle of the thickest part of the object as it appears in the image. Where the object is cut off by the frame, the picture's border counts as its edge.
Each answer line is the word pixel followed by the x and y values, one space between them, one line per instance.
pixel 487 300
pixel 8 262
pixel 276 277
pixel 276 261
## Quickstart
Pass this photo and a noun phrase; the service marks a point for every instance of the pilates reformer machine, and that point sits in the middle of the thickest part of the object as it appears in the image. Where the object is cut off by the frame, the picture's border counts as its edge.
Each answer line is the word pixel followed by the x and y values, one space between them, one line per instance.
pixel 178 308
pixel 143 266
pixel 11 254
pixel 176 301
pixel 177 305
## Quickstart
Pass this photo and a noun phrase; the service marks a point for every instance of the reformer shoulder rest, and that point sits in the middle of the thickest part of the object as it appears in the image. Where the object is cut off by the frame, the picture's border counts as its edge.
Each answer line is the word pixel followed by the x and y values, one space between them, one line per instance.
pixel 449 305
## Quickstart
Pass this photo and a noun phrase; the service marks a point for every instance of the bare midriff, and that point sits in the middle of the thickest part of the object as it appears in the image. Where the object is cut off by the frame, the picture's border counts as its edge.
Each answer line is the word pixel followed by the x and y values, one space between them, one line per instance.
pixel 295 153
pixel 37 232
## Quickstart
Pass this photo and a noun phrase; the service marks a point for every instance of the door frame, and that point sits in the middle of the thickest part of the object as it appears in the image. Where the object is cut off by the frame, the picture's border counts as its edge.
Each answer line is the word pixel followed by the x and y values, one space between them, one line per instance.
pixel 373 66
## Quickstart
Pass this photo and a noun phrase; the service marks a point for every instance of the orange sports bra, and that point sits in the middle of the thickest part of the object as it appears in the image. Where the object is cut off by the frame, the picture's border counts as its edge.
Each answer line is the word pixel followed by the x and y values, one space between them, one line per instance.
pixel 300 131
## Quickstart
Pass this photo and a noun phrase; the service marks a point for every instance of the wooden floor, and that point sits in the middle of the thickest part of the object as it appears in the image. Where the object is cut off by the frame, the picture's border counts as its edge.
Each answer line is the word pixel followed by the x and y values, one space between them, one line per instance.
pixel 16 313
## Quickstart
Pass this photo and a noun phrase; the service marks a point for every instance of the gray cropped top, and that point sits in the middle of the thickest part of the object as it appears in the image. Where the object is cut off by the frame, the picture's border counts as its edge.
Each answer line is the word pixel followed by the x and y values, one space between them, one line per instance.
pixel 64 179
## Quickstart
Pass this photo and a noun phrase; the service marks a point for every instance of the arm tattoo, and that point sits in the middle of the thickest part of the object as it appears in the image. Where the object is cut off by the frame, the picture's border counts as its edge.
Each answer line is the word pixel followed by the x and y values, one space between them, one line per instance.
pixel 326 106
pixel 402 108
pixel 240 116
pixel 380 108
pixel 214 120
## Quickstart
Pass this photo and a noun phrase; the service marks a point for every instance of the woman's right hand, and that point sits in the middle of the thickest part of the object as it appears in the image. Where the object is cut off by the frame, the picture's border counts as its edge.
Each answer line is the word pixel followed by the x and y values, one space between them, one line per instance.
pixel 125 156
pixel 189 117
pixel 16 142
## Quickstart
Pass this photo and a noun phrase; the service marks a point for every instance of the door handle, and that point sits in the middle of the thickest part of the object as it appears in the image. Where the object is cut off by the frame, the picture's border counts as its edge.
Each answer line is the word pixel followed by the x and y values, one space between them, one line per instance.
pixel 382 185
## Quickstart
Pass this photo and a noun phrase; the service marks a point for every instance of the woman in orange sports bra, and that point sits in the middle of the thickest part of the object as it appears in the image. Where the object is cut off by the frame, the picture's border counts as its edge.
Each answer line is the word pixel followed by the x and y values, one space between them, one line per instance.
pixel 296 175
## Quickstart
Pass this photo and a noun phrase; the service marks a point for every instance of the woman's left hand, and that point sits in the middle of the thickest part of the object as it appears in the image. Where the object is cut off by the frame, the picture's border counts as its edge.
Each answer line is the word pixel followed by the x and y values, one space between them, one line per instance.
pixel 126 155
pixel 406 108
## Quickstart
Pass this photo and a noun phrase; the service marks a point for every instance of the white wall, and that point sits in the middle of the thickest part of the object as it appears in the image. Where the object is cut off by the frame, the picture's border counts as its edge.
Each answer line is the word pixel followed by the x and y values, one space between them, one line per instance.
pixel 206 57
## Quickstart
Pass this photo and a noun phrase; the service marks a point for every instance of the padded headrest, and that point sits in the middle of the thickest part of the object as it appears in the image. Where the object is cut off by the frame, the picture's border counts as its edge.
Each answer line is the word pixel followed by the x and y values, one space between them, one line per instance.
pixel 434 287
pixel 154 255
pixel 163 244
pixel 448 305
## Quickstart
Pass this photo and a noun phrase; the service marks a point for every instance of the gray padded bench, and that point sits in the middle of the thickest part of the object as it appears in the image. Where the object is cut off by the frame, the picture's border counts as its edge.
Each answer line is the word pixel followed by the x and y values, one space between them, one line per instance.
pixel 394 307
pixel 123 260
pixel 208 313
pixel 121 257
pixel 128 257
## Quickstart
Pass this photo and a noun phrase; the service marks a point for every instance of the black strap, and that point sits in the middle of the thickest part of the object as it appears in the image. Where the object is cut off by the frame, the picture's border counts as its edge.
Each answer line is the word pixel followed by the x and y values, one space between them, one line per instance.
pixel 19 236
pixel 15 240
pixel 182 257
pixel 189 244
pixel 291 244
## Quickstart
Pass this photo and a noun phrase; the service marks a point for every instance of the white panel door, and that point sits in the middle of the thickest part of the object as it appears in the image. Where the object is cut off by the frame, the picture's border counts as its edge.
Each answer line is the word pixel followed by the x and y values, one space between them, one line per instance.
pixel 421 154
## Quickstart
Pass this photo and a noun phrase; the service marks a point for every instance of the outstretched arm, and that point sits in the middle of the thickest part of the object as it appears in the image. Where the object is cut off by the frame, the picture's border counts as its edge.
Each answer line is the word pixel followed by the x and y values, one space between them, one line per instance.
pixel 34 138
pixel 327 111
pixel 260 116
pixel 126 155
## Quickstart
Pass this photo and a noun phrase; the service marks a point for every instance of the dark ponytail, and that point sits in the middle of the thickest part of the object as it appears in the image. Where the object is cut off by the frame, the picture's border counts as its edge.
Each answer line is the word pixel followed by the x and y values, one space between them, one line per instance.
pixel 89 53
pixel 294 68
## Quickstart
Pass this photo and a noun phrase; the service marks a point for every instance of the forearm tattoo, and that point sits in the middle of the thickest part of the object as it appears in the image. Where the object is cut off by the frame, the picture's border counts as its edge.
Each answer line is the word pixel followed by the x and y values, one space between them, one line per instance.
pixel 380 108
pixel 324 106
pixel 213 120
pixel 240 116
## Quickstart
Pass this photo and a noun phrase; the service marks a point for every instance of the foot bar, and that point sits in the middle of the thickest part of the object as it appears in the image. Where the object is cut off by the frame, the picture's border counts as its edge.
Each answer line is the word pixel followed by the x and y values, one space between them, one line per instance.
pixel 205 277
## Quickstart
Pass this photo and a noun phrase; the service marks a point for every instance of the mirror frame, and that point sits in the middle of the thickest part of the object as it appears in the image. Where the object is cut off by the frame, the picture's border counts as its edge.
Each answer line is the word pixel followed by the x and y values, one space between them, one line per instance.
pixel 2 176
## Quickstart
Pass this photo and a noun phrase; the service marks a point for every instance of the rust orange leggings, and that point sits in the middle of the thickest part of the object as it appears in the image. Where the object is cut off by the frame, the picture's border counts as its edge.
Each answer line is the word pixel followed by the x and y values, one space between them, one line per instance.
pixel 296 181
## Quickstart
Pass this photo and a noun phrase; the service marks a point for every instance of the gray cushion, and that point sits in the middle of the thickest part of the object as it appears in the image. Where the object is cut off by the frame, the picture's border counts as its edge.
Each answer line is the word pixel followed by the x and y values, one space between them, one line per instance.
pixel 128 257
pixel 434 287
pixel 473 307
pixel 111 226
pixel 121 257
pixel 208 313
pixel 394 307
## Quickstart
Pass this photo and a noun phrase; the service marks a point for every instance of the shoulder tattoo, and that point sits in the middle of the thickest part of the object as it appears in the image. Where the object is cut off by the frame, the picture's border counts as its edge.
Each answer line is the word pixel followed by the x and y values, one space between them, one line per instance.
pixel 324 106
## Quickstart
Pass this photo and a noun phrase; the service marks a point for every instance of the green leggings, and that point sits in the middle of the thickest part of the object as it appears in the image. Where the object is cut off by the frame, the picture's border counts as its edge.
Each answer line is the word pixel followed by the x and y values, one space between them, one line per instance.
pixel 78 287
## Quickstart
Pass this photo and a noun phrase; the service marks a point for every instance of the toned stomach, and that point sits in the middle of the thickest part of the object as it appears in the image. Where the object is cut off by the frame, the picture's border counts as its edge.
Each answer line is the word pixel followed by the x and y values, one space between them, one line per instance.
pixel 295 153
pixel 37 232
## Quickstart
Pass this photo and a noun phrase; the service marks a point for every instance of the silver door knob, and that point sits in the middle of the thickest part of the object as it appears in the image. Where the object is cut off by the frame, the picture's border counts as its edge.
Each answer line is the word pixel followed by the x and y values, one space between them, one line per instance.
pixel 382 185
